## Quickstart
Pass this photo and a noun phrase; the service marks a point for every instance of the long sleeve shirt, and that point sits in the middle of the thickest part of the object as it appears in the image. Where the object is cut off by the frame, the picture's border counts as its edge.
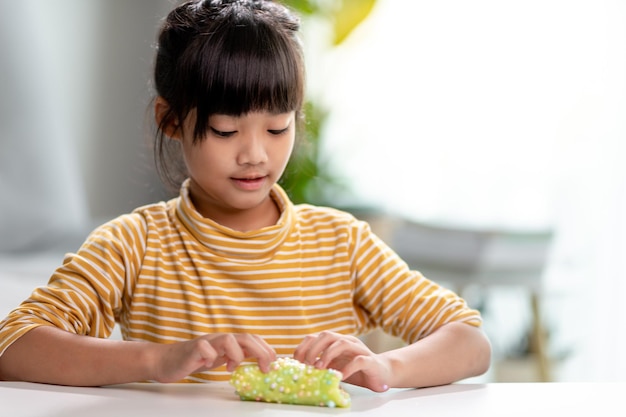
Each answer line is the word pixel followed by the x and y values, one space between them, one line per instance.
pixel 167 274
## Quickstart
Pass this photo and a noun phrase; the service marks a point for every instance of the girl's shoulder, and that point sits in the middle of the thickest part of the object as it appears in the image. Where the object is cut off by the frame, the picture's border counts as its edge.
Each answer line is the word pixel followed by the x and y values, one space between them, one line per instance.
pixel 140 220
pixel 310 212
pixel 160 210
pixel 324 217
pixel 362 217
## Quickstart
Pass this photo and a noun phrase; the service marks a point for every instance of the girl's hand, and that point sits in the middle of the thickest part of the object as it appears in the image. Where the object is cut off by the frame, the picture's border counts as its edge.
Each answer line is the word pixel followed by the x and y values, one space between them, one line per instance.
pixel 349 355
pixel 178 360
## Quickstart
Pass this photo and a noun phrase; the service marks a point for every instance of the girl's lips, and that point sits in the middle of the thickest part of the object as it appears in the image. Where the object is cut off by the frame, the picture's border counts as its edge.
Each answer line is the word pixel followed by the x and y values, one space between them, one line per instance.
pixel 249 184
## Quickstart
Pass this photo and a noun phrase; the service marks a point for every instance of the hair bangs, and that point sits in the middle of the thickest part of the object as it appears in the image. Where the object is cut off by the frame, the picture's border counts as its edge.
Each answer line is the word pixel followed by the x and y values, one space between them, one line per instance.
pixel 252 70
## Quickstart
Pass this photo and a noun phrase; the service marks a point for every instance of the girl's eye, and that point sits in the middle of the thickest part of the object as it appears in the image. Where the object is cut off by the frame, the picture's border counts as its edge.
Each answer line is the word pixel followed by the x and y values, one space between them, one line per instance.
pixel 222 134
pixel 278 131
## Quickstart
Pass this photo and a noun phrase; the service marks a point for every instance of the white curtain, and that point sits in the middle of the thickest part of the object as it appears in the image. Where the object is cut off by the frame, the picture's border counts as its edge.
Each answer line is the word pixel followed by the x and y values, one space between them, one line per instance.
pixel 500 114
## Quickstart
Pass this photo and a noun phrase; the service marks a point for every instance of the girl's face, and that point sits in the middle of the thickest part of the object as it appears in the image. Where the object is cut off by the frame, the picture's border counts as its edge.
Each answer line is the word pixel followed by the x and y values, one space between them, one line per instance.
pixel 237 163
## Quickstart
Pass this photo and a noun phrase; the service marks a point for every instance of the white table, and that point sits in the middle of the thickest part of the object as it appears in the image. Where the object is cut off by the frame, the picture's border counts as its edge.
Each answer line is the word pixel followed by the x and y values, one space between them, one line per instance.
pixel 19 399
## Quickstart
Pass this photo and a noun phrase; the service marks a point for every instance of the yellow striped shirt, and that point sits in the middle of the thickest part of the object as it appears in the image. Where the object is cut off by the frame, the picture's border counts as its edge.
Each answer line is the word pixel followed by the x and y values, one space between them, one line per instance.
pixel 166 274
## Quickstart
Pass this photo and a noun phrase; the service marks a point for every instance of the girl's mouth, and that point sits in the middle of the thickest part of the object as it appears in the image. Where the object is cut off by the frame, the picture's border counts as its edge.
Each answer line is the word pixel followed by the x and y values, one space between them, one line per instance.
pixel 250 184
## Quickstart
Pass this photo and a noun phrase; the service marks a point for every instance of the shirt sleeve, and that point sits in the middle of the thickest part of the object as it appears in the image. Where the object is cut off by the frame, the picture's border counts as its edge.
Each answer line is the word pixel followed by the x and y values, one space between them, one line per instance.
pixel 402 301
pixel 86 293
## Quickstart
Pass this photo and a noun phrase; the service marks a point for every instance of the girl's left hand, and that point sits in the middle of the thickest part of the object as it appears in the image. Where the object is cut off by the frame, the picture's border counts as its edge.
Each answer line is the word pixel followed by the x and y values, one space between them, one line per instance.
pixel 349 355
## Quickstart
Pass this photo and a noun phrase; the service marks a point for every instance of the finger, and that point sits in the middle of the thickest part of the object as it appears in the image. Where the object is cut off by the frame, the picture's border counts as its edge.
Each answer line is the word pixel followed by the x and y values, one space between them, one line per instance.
pixel 367 372
pixel 303 348
pixel 256 347
pixel 345 348
pixel 205 355
pixel 205 350
pixel 357 364
pixel 229 351
pixel 318 347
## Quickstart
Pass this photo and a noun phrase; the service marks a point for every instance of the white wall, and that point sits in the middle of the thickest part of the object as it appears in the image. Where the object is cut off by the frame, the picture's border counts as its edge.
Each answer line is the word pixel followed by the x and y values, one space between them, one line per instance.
pixel 74 147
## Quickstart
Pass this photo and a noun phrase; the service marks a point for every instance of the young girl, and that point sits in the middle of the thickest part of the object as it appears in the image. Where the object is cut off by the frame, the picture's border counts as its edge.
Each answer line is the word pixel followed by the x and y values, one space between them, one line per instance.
pixel 231 270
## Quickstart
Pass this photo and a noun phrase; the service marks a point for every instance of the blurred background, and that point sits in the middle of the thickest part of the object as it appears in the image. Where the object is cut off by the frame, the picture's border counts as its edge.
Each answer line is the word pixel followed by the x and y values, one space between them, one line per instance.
pixel 484 140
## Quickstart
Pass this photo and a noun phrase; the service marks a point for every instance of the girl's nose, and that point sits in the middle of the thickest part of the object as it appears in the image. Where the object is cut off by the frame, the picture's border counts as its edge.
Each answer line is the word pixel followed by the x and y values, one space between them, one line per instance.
pixel 252 151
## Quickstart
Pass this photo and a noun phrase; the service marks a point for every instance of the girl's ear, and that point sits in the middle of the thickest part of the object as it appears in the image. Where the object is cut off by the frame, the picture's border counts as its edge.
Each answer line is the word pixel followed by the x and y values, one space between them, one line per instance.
pixel 170 125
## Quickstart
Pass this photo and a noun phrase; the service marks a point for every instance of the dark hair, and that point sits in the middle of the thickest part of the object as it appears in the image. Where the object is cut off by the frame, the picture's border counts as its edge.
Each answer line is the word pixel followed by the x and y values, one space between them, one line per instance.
pixel 224 57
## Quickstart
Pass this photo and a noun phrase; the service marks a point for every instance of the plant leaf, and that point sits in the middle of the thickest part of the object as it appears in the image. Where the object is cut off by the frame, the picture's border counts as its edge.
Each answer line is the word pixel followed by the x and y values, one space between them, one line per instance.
pixel 349 15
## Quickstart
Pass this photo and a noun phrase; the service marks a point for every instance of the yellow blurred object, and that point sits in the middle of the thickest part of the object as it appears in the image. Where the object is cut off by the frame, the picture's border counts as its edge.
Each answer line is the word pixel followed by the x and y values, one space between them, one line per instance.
pixel 348 15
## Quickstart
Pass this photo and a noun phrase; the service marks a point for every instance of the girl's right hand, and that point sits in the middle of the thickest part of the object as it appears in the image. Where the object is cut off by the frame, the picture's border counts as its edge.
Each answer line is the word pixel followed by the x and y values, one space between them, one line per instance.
pixel 177 360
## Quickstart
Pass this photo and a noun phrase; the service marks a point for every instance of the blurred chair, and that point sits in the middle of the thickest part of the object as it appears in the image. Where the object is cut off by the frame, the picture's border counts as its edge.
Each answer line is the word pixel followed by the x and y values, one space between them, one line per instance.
pixel 464 257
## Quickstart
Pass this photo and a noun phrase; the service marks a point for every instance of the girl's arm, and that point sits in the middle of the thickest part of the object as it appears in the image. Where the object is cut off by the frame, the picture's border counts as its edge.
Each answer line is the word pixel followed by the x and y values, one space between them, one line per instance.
pixel 453 352
pixel 446 342
pixel 50 355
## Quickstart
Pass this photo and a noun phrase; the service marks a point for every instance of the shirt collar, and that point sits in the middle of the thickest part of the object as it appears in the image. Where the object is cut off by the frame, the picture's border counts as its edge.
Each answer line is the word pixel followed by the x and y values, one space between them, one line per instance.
pixel 255 246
